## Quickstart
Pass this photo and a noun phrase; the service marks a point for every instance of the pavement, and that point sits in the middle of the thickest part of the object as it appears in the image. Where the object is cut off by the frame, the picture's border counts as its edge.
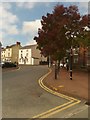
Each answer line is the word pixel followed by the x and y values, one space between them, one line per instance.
pixel 77 87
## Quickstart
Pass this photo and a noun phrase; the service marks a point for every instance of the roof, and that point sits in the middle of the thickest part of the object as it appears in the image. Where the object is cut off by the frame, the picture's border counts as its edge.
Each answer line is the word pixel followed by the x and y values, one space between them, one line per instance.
pixel 10 46
pixel 28 46
pixel 3 49
pixel 17 43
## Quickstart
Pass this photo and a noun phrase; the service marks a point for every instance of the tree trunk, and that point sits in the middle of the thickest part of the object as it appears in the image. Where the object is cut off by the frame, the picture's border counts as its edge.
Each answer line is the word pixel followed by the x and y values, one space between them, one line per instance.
pixel 84 58
pixel 58 66
pixel 56 70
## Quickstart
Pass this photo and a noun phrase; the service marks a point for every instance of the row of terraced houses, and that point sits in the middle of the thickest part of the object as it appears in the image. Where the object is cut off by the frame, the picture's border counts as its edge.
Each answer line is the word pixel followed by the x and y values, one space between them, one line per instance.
pixel 28 55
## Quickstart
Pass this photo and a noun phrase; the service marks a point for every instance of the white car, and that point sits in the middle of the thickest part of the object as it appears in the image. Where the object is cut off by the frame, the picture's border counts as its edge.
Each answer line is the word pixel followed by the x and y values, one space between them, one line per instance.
pixel 2 63
pixel 61 65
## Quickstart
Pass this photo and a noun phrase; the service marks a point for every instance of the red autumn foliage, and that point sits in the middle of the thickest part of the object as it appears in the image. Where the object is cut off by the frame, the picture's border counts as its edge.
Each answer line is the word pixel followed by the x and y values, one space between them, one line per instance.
pixel 55 36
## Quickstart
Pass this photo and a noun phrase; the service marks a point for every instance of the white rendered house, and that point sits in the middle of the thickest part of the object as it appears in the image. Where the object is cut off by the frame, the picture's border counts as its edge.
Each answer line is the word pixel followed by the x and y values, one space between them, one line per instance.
pixel 25 56
pixel 30 55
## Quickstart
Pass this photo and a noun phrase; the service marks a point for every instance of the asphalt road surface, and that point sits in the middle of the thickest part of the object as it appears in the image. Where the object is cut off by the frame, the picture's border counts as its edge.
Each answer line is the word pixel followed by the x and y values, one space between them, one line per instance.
pixel 22 96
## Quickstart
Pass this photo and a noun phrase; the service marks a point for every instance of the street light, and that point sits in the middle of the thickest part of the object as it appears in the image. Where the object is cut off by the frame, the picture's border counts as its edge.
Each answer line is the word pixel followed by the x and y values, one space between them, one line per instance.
pixel 71 55
pixel 71 61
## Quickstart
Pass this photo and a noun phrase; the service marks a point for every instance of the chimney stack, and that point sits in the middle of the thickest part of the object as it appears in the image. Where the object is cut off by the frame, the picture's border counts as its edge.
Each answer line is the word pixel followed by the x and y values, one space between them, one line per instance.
pixel 18 43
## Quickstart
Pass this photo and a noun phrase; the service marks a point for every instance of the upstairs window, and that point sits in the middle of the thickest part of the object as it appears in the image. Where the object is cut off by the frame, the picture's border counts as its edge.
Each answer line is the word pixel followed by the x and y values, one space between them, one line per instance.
pixel 26 54
pixel 8 54
pixel 21 56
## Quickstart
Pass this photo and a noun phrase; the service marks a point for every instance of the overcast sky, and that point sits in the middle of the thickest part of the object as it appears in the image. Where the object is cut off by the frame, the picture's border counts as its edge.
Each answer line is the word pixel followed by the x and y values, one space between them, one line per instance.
pixel 19 21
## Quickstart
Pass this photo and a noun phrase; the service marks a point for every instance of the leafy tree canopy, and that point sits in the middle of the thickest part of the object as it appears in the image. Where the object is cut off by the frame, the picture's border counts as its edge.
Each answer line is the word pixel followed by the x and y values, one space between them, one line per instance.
pixel 64 27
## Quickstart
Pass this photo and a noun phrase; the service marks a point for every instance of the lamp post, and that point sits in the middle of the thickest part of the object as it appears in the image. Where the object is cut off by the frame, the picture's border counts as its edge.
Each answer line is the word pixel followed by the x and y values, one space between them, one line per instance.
pixel 71 61
pixel 71 56
pixel 41 55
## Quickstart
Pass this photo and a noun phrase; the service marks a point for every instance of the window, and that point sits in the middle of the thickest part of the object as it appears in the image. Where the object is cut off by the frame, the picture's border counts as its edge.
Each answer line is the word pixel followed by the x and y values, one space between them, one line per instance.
pixel 26 59
pixel 26 54
pixel 75 60
pixel 21 56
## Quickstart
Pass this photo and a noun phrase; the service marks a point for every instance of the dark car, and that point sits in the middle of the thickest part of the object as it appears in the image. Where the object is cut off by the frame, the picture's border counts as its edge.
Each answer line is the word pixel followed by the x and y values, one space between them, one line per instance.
pixel 8 65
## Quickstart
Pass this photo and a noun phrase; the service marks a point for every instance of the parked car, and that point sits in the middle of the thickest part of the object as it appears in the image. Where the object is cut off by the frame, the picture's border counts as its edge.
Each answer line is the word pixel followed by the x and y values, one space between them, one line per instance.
pixel 1 64
pixel 43 63
pixel 8 65
pixel 61 65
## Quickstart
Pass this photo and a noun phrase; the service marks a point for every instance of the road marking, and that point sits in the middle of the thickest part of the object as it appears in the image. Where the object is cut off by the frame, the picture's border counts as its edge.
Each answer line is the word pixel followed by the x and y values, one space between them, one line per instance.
pixel 54 92
pixel 72 101
pixel 61 86
pixel 51 110
pixel 59 110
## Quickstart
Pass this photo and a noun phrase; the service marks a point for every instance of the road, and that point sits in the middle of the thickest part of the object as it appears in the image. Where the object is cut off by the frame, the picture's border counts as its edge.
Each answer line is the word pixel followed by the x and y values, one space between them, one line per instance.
pixel 22 96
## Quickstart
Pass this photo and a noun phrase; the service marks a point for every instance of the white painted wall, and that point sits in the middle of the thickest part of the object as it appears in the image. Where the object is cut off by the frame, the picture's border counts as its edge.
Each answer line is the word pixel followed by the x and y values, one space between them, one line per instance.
pixel 32 61
pixel 25 53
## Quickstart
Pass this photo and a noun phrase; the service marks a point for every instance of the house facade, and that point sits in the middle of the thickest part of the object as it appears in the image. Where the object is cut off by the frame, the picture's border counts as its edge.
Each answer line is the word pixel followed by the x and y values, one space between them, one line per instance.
pixel 30 55
pixel 24 56
pixel 84 56
pixel 10 53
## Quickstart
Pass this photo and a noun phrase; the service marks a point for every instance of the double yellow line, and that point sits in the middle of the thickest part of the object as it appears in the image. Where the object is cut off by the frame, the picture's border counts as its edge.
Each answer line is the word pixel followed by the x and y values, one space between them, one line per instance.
pixel 71 101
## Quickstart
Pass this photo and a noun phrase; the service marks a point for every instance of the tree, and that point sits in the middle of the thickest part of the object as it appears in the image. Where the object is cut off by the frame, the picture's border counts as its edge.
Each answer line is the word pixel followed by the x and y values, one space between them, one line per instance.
pixel 84 38
pixel 59 31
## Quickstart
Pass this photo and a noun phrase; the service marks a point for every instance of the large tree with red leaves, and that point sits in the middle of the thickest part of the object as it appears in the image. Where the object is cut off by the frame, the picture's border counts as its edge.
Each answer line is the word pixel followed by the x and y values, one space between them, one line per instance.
pixel 57 30
pixel 60 30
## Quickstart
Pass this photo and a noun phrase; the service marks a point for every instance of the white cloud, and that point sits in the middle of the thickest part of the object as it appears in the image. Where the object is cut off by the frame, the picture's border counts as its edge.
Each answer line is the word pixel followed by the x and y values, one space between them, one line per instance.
pixel 7 19
pixel 31 27
pixel 83 7
pixel 7 5
pixel 8 22
pixel 13 30
pixel 31 42
pixel 1 36
pixel 27 5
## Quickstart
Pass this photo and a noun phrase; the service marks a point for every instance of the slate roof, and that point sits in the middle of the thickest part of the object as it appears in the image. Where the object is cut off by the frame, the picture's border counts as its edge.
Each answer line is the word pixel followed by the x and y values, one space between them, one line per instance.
pixel 10 46
pixel 28 46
